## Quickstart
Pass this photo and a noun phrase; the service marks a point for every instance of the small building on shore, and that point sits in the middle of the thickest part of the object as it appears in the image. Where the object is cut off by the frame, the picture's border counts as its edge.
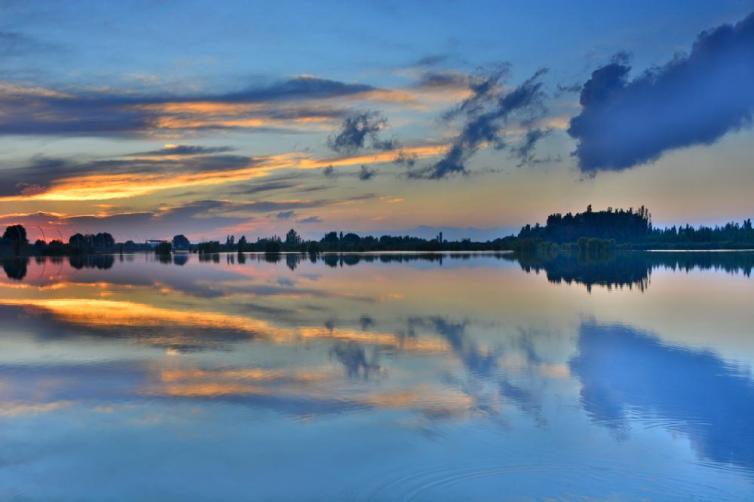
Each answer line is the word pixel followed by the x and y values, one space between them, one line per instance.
pixel 153 243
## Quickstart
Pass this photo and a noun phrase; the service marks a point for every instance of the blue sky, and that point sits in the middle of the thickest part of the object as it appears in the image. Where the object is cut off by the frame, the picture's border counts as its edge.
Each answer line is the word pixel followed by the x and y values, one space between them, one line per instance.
pixel 95 96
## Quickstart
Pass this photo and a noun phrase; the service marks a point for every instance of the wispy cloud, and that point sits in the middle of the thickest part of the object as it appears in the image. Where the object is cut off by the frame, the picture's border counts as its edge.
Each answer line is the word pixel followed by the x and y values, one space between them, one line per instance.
pixel 171 150
pixel 359 131
pixel 485 114
pixel 289 103
pixel 310 219
pixel 285 215
pixel 61 180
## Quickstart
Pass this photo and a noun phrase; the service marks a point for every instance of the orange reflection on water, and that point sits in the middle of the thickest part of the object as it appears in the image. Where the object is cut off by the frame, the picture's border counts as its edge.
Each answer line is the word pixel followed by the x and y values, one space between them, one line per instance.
pixel 313 384
pixel 101 313
pixel 247 374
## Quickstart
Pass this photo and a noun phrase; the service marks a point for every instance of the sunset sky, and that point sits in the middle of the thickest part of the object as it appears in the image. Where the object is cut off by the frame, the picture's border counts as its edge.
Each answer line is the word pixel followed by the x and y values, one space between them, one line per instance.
pixel 152 118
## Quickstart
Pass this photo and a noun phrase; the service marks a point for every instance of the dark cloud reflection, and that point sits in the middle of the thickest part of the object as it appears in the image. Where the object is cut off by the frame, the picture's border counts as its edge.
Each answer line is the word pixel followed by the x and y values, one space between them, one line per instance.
pixel 625 371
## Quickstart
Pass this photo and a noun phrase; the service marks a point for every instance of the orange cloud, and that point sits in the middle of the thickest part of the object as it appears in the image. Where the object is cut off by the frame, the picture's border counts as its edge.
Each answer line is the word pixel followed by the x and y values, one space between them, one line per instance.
pixel 98 187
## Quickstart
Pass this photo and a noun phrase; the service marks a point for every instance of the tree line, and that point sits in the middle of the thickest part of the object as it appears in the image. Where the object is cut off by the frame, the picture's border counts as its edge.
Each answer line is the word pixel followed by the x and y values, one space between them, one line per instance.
pixel 589 232
pixel 603 231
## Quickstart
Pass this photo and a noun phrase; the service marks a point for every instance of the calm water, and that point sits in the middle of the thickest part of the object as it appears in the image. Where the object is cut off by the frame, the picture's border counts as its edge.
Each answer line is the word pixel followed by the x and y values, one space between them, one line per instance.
pixel 378 378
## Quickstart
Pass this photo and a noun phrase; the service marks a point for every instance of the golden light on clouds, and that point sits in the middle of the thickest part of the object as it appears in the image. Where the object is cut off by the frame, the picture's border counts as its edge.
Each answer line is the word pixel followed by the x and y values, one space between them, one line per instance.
pixel 98 187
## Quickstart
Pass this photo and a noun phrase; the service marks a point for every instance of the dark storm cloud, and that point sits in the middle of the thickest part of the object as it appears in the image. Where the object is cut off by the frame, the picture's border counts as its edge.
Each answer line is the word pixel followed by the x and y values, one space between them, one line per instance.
pixel 76 112
pixel 485 114
pixel 692 100
pixel 361 130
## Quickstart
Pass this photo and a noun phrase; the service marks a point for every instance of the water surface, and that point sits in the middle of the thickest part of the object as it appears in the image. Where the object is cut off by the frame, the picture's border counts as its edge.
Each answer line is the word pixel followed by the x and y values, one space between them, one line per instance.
pixel 378 377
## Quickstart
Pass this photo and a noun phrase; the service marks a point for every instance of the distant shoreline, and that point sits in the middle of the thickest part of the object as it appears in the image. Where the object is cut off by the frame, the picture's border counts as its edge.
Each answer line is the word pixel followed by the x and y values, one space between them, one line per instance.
pixel 590 233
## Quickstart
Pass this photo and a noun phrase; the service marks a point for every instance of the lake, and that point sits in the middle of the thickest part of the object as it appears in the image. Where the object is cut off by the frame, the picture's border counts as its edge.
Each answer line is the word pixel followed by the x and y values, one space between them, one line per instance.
pixel 378 377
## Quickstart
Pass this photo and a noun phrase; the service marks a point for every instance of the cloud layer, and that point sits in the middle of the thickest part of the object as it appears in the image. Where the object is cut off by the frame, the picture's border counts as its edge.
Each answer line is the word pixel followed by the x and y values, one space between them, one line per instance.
pixel 285 104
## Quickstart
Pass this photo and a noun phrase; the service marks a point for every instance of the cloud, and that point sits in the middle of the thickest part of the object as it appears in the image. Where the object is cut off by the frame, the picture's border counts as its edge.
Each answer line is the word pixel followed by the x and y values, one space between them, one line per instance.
pixel 568 88
pixel 693 99
pixel 354 359
pixel 70 180
pixel 285 215
pixel 15 44
pixel 366 174
pixel 268 186
pixel 42 174
pixel 431 60
pixel 485 114
pixel 298 88
pixel 405 159
pixel 284 105
pixel 443 79
pixel 627 374
pixel 359 131
pixel 310 219
pixel 181 150
pixel 524 151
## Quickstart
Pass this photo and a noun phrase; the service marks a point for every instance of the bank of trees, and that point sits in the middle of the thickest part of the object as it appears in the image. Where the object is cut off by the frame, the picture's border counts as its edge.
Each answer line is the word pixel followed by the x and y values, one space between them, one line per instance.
pixel 348 243
pixel 629 229
pixel 587 233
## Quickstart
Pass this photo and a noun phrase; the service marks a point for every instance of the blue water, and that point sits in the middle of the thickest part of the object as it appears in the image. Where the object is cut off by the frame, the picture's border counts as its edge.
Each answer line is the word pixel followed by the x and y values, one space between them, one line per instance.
pixel 417 377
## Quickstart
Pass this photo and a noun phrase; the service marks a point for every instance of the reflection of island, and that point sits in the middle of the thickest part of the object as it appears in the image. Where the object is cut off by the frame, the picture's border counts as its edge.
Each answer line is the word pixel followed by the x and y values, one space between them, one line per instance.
pixel 631 269
pixel 335 260
pixel 98 261
pixel 616 269
pixel 625 371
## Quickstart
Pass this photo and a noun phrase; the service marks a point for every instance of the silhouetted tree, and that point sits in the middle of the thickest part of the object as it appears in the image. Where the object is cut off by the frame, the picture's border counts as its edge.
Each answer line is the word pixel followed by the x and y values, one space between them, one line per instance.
pixel 163 249
pixel 15 235
pixel 292 239
pixel 242 244
pixel 181 242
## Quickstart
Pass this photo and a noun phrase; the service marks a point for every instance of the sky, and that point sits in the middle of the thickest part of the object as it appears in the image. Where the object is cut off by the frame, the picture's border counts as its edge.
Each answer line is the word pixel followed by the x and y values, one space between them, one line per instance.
pixel 148 119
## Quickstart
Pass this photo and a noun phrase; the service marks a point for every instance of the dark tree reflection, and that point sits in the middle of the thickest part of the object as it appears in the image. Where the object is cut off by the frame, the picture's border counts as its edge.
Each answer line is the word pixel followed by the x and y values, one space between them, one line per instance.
pixel 628 269
pixel 16 268
pixel 98 261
